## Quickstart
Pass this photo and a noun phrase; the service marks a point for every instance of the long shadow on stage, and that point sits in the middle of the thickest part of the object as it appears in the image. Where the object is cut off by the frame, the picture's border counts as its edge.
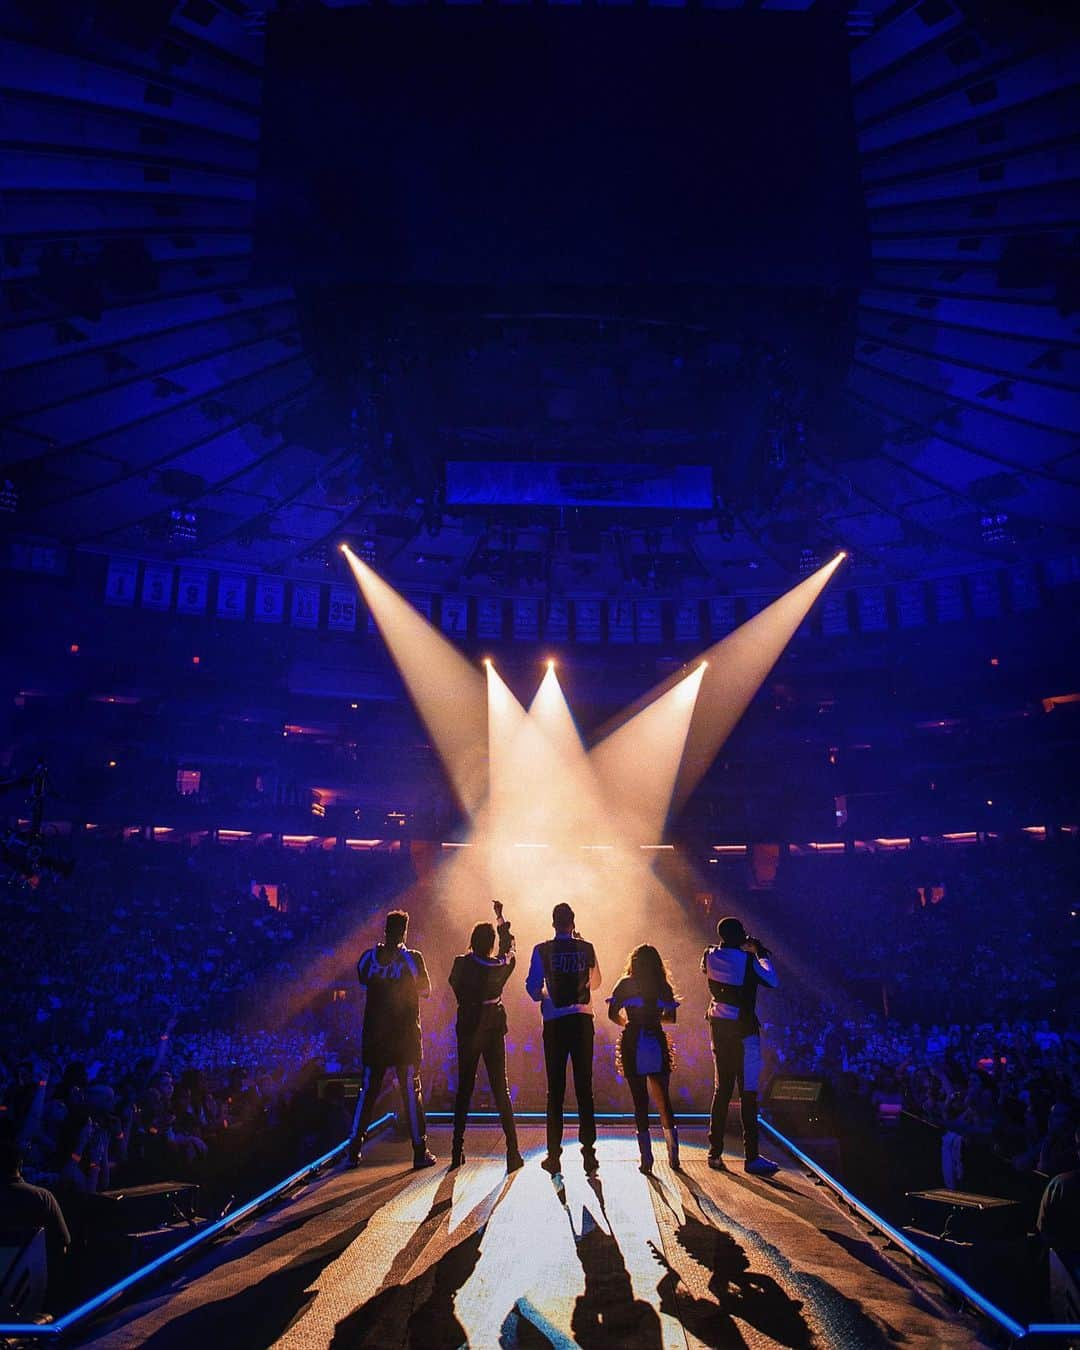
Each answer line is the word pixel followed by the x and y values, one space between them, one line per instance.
pixel 420 1312
pixel 262 1311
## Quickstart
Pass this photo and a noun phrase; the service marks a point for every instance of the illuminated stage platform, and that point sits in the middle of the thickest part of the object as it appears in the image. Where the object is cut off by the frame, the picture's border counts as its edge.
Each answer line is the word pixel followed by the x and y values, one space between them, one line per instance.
pixel 384 1256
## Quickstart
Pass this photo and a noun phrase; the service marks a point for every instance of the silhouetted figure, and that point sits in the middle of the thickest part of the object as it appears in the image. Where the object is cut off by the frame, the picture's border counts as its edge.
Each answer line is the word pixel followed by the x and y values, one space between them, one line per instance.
pixel 396 979
pixel 562 975
pixel 735 969
pixel 640 1003
pixel 477 979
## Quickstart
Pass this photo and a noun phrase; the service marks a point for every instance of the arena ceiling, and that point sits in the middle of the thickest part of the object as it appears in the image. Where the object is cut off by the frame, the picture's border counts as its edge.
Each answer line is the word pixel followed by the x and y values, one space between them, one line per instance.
pixel 154 400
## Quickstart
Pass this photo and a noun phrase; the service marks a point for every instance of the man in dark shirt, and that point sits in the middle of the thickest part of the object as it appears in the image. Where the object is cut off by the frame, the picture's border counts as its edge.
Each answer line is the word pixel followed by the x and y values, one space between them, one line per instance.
pixel 27 1208
pixel 395 979
pixel 562 974
pixel 477 979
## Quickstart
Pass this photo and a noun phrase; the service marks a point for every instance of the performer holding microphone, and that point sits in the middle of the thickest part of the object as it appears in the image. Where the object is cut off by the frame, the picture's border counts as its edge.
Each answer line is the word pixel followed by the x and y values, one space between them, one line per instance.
pixel 477 979
pixel 735 969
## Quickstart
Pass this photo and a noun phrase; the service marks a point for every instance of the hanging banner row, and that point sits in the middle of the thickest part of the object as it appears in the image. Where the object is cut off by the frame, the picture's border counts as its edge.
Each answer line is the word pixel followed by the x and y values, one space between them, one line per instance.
pixel 337 608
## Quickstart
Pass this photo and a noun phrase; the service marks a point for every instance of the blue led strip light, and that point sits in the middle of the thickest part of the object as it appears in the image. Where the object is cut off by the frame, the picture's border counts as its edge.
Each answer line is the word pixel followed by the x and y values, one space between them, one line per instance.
pixel 623 1117
pixel 25 1330
pixel 924 1258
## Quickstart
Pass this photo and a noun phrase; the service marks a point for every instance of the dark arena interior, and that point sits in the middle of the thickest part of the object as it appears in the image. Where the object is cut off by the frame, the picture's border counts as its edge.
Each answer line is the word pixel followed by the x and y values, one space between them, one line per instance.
pixel 601 479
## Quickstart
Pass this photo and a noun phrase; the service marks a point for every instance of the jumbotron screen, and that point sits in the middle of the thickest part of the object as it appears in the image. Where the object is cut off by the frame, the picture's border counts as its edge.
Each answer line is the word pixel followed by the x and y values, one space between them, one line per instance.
pixel 558 147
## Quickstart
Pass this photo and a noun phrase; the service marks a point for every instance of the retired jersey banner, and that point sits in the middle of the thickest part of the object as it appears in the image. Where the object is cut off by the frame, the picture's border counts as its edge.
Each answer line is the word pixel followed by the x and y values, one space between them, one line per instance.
pixel 232 597
pixel 834 615
pixel 587 620
pixel 873 610
pixel 1024 586
pixel 269 600
pixel 649 621
pixel 1062 571
pixel 526 619
pixel 620 620
pixel 949 599
pixel 192 592
pixel 455 615
pixel 305 605
pixel 489 617
pixel 342 613
pixel 557 621
pixel 157 586
pixel 688 621
pixel 986 594
pixel 722 615
pixel 911 604
pixel 120 581
pixel 421 602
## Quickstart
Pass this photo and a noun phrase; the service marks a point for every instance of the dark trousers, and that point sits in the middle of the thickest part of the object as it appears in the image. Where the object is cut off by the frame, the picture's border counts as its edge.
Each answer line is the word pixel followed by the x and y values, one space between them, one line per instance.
pixel 412 1101
pixel 487 1043
pixel 640 1087
pixel 569 1037
pixel 730 1056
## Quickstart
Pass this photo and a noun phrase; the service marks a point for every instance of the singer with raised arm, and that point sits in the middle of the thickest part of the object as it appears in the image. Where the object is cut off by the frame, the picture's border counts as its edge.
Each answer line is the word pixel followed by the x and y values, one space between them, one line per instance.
pixel 477 978
pixel 736 968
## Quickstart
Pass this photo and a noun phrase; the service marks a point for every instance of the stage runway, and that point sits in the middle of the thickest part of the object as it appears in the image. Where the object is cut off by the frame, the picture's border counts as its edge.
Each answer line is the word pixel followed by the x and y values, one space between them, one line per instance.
pixel 384 1256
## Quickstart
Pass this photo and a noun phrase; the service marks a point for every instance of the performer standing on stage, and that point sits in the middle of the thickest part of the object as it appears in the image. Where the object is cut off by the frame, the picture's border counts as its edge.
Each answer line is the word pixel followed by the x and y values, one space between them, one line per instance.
pixel 735 969
pixel 562 974
pixel 477 979
pixel 396 979
pixel 639 1003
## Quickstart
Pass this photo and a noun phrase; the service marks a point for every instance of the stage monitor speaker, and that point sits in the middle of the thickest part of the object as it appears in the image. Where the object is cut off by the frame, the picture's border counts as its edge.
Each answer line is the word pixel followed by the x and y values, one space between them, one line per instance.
pixel 137 1209
pixel 345 1087
pixel 965 1217
pixel 23 1273
pixel 801 1104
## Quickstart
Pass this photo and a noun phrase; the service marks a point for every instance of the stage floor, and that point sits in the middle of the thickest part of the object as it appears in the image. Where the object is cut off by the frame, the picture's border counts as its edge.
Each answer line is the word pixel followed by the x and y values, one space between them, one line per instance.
pixel 384 1256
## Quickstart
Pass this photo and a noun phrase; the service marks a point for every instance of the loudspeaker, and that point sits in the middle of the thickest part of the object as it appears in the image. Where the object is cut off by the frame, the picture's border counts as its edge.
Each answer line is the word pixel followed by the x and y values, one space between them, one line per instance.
pixel 964 1217
pixel 23 1273
pixel 342 1087
pixel 138 1209
pixel 801 1104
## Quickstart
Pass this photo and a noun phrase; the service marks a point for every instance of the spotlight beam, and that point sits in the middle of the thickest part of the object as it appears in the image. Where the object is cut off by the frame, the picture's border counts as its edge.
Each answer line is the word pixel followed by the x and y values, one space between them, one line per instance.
pixel 448 691
pixel 636 766
pixel 734 670
pixel 737 668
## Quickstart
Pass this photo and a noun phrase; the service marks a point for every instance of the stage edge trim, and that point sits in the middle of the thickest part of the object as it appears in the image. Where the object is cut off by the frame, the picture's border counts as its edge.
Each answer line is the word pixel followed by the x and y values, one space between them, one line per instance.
pixel 30 1330
pixel 938 1269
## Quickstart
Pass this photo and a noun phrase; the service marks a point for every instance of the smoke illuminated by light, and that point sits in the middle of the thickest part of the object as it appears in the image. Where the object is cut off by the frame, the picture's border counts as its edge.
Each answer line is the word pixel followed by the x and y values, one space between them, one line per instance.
pixel 637 764
pixel 552 821
pixel 737 668
pixel 447 689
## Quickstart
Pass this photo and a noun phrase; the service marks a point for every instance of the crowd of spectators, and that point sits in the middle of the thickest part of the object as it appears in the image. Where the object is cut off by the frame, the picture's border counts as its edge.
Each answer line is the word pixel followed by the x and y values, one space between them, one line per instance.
pixel 144 1031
